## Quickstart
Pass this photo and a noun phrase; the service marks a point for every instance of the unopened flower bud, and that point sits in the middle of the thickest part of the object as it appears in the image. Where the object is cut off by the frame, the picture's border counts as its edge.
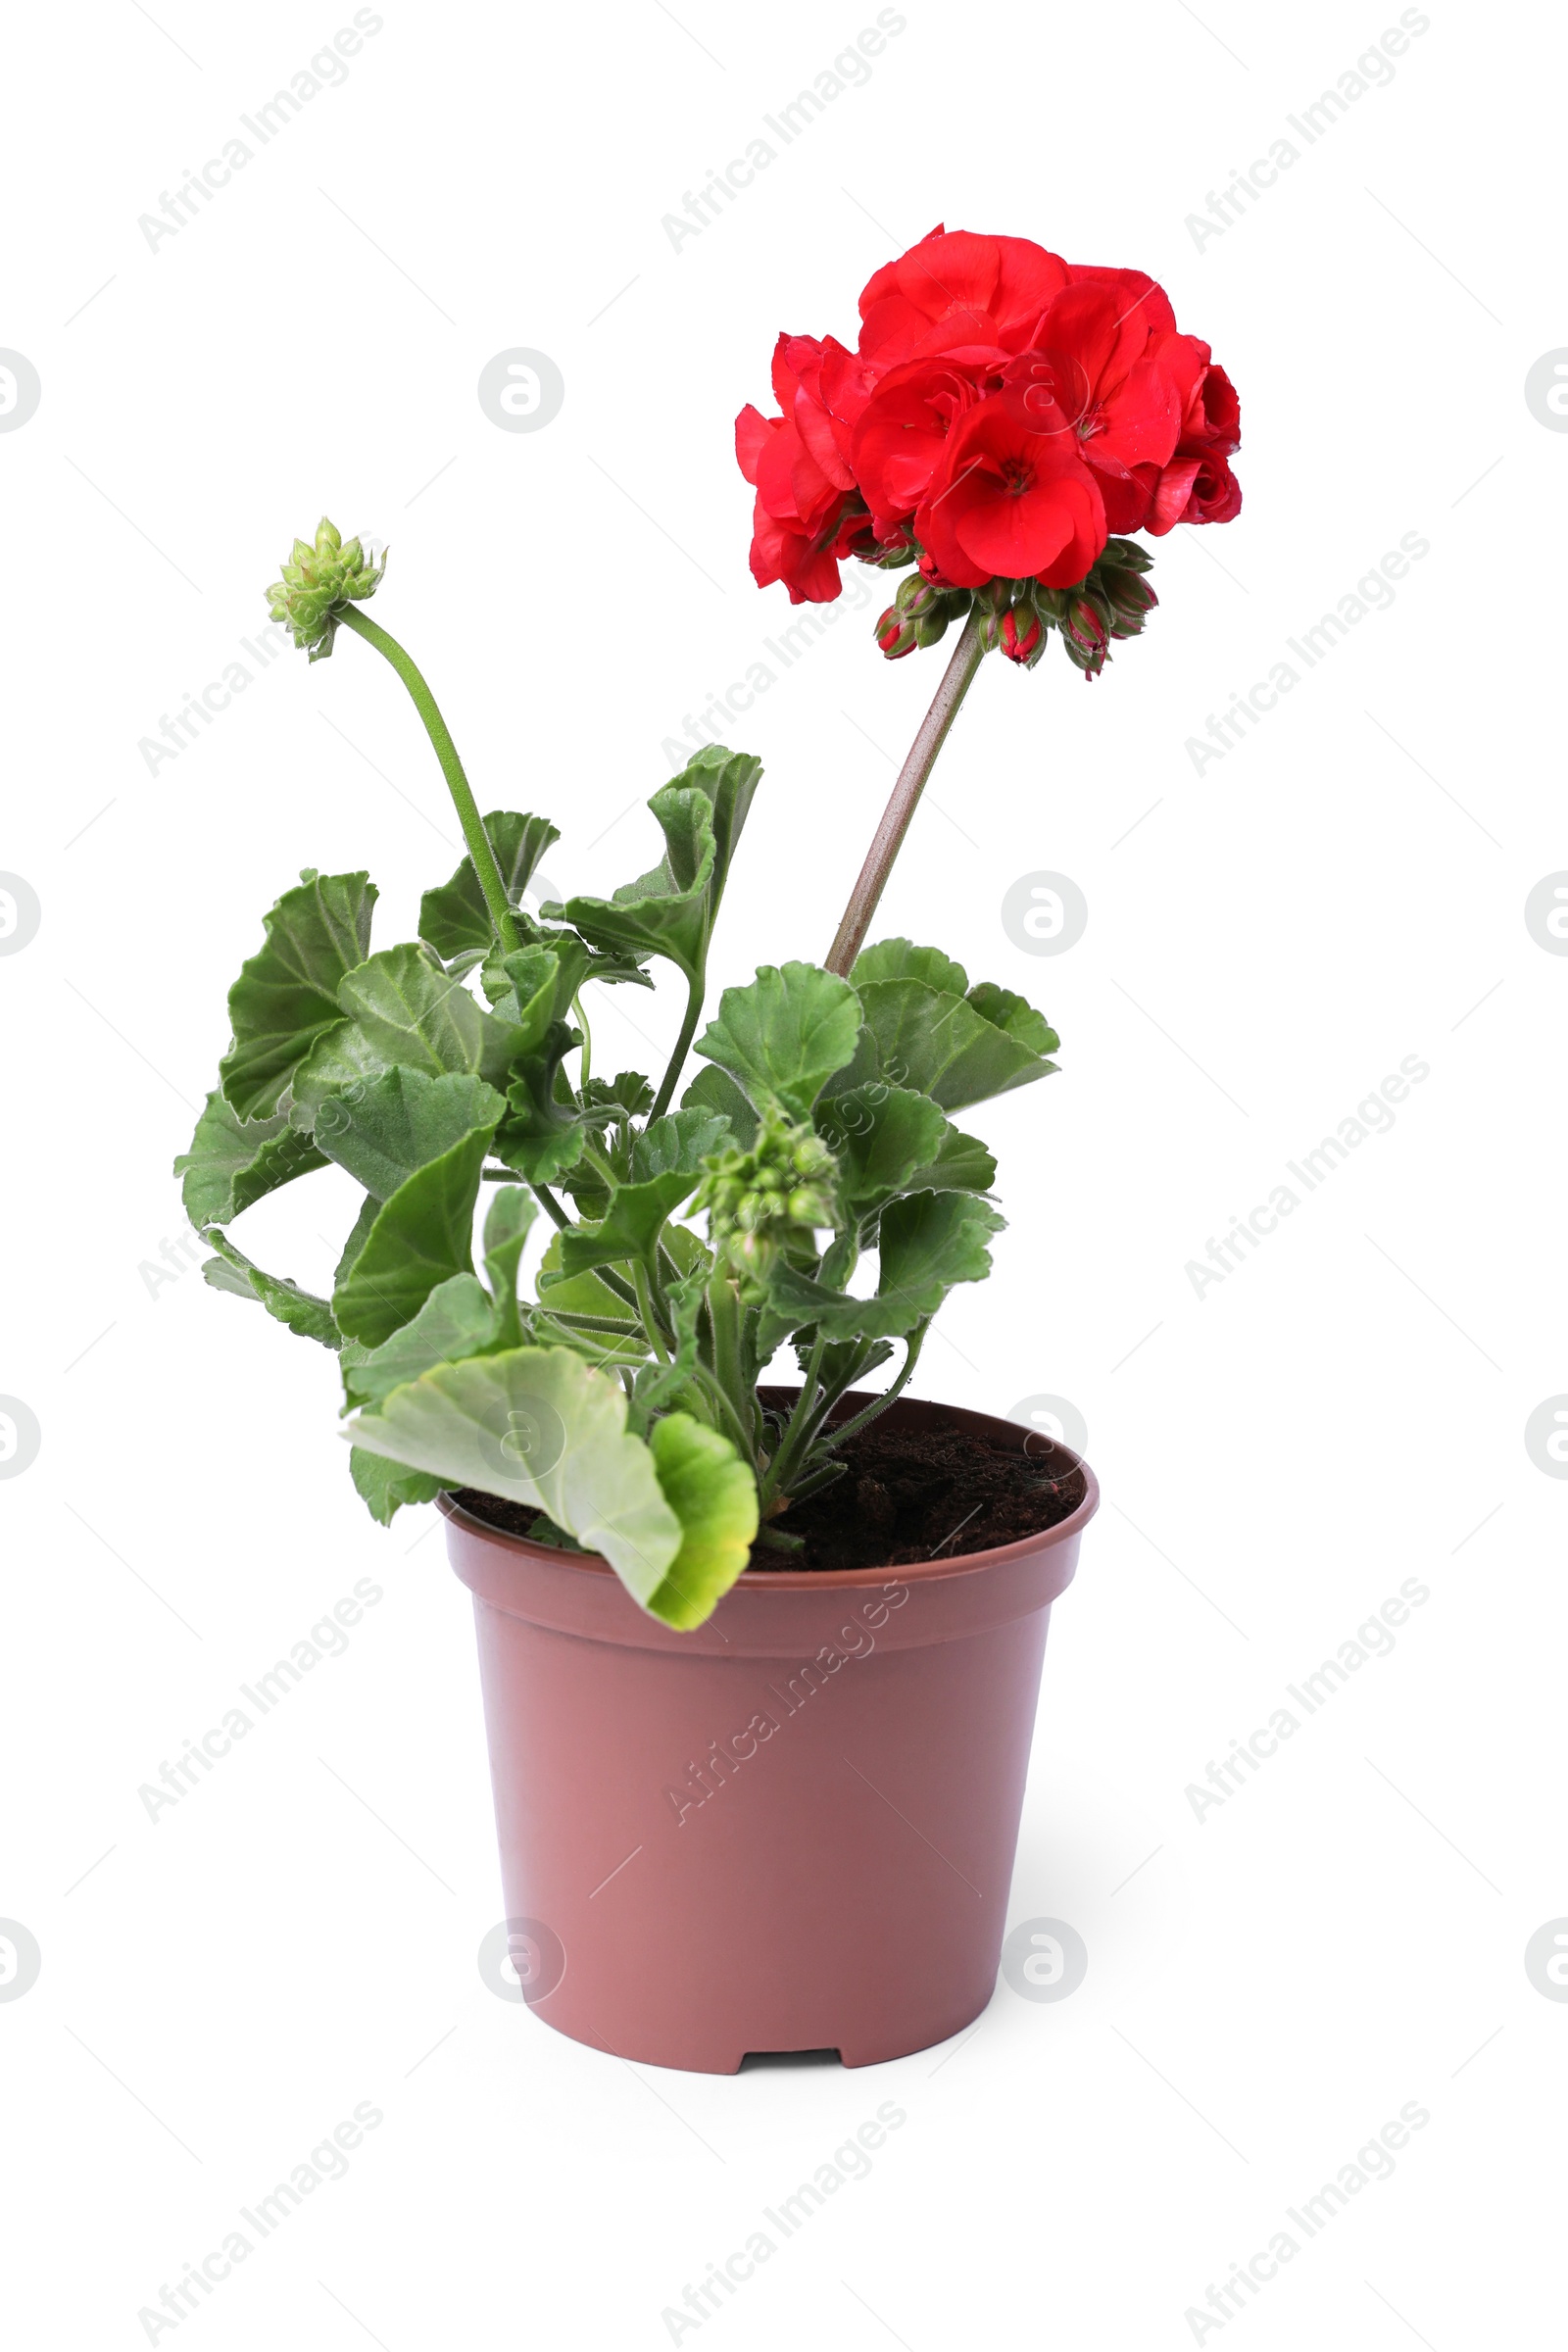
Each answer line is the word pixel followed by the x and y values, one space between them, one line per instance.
pixel 895 635
pixel 1022 638
pixel 316 583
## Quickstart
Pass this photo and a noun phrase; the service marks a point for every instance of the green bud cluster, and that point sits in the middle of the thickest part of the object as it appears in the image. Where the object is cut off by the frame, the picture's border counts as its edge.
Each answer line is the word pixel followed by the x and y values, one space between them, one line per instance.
pixel 770 1201
pixel 316 582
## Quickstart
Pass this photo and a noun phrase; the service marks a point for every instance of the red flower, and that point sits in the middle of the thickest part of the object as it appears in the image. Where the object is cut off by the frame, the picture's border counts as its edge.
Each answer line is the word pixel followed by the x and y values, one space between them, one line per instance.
pixel 959 295
pixel 899 442
pixel 1004 410
pixel 1012 503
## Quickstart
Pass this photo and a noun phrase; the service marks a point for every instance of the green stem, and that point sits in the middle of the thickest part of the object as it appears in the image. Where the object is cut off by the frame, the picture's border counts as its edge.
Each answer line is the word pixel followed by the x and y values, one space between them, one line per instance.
pixel 688 1030
pixel 879 1405
pixel 446 750
pixel 550 1205
pixel 645 1307
pixel 713 1388
pixel 889 836
pixel 799 1428
pixel 583 1068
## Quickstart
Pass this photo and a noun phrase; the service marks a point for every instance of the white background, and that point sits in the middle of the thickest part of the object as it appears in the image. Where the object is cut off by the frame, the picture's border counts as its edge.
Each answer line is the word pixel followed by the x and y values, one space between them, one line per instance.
pixel 1343 1935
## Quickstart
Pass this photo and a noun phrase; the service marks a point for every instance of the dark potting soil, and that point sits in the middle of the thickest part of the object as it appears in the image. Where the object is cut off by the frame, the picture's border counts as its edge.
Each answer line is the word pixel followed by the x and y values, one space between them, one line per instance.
pixel 905 1496
pixel 920 1495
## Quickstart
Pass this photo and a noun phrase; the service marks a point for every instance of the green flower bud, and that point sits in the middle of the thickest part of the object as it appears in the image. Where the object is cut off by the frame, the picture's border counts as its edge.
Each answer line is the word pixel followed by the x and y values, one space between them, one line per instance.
pixel 315 584
pixel 768 1202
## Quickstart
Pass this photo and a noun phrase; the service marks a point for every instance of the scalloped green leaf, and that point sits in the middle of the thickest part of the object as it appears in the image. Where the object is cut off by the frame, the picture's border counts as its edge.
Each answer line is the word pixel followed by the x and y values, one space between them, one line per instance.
pixel 454 918
pixel 678 1144
pixel 782 1037
pixel 305 1315
pixel 383 1131
pixel 930 1242
pixel 234 1162
pixel 714 1090
pixel 286 996
pixel 417 1017
pixel 713 1495
pixel 940 1045
pixel 1004 1010
pixel 902 959
pixel 384 1488
pixel 665 912
pixel 630 1227
pixel 421 1237
pixel 538 1426
pixel 459 1319
pixel 889 1141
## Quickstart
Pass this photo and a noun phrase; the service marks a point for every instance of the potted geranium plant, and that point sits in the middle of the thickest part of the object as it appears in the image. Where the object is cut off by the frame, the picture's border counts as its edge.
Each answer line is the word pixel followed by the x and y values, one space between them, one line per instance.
pixel 760 1661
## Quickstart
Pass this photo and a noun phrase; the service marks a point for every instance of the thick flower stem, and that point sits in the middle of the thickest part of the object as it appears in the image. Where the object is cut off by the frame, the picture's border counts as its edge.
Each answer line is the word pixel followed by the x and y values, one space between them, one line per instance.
pixel 446 750
pixel 889 839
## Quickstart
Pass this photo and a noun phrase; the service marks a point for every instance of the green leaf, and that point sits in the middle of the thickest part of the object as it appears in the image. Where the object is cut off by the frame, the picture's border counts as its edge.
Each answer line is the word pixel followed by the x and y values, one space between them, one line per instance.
pixel 383 1131
pixel 665 911
pixel 286 995
pixel 303 1312
pixel 902 959
pixel 454 918
pixel 422 1235
pixel 459 1319
pixel 359 1235
pixel 630 1227
pixel 940 1045
pixel 729 781
pixel 798 1301
pixel 538 1426
pixel 1004 1010
pixel 713 1495
pixel 930 1242
pixel 889 1141
pixel 413 1013
pixel 506 1225
pixel 880 1134
pixel 234 1162
pixel 782 1037
pixel 714 1090
pixel 626 1096
pixel 340 1059
pixel 385 1487
pixel 678 1144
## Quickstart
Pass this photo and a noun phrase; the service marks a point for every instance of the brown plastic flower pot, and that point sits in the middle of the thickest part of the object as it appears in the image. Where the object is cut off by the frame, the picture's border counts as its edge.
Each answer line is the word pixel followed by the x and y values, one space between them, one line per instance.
pixel 792 1828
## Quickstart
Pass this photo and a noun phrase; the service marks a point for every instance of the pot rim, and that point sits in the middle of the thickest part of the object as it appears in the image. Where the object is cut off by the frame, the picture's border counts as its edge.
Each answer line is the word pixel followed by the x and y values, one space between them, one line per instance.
pixel 829 1579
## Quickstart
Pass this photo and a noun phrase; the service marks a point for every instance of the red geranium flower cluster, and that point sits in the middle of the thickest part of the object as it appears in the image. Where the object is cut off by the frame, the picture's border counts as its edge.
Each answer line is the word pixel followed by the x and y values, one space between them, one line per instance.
pixel 1005 412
